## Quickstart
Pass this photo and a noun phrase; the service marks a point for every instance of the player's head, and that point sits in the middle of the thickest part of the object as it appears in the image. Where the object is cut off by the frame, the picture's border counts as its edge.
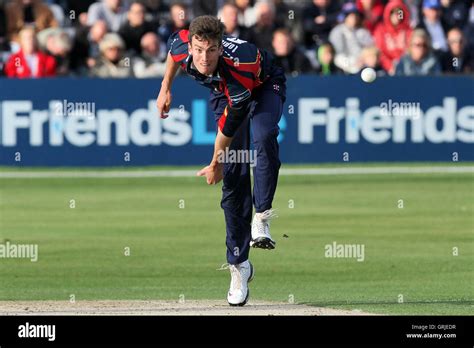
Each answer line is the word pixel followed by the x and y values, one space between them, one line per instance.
pixel 205 43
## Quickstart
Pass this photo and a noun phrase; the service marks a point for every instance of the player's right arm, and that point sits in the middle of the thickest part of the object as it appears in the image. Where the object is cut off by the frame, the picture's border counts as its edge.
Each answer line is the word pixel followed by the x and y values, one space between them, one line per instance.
pixel 163 101
pixel 177 54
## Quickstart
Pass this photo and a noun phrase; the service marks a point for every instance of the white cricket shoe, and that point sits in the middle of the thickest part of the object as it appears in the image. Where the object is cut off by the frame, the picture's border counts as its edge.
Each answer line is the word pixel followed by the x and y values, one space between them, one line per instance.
pixel 241 275
pixel 261 237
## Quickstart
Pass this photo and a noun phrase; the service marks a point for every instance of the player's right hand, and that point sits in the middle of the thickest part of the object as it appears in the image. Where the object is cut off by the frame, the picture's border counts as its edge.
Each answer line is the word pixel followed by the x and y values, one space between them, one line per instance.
pixel 163 103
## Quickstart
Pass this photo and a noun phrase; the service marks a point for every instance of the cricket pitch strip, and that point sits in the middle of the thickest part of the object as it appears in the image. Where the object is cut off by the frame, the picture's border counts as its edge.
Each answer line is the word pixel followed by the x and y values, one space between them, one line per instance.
pixel 158 308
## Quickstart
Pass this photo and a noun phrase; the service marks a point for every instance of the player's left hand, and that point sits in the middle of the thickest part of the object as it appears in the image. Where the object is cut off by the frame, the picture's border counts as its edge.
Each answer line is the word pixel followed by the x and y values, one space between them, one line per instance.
pixel 213 173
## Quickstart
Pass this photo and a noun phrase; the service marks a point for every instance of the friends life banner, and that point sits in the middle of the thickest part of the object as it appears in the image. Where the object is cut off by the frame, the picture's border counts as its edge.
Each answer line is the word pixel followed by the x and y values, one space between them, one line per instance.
pixel 105 122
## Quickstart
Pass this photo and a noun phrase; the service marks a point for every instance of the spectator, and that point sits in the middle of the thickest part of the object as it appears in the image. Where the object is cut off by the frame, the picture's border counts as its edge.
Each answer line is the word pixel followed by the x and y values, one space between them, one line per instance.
pixel 110 11
pixel 133 30
pixel 111 63
pixel 282 15
pixel 287 54
pixel 205 7
pixel 318 20
pixel 229 16
pixel 431 22
pixel 454 13
pixel 247 15
pixel 349 38
pixel 469 30
pixel 179 20
pixel 3 28
pixel 155 10
pixel 372 12
pixel 326 57
pixel 392 34
pixel 85 51
pixel 151 63
pixel 58 13
pixel 25 12
pixel 29 62
pixel 261 34
pixel 370 58
pixel 56 43
pixel 414 8
pixel 458 60
pixel 77 10
pixel 419 60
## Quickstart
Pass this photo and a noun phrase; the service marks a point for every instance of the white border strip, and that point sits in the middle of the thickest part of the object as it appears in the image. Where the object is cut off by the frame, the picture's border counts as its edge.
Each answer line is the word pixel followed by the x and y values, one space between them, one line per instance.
pixel 192 173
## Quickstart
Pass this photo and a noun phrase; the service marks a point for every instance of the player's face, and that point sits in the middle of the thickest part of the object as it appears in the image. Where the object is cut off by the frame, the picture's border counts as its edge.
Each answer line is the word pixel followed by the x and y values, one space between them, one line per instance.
pixel 205 55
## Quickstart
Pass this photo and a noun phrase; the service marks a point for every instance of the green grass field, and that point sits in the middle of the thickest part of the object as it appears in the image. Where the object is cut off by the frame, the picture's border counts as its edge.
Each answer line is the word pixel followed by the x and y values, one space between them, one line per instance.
pixel 175 251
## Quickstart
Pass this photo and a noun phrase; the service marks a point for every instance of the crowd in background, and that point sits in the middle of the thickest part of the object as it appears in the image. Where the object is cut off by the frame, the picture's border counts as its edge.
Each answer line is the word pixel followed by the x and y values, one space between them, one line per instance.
pixel 125 38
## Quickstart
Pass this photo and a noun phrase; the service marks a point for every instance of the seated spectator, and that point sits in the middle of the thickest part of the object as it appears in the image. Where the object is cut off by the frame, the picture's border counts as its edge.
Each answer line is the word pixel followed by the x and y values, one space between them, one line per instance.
pixel 229 16
pixel 458 59
pixel 349 38
pixel 111 63
pixel 56 43
pixel 85 51
pixel 419 60
pixel 25 12
pixel 372 12
pixel 318 20
pixel 287 54
pixel 134 29
pixel 29 62
pixel 205 7
pixel 77 10
pixel 155 10
pixel 179 20
pixel 58 13
pixel 247 16
pixel 469 31
pixel 370 58
pixel 111 11
pixel 414 8
pixel 392 34
pixel 261 34
pixel 454 13
pixel 431 22
pixel 152 62
pixel 326 57
pixel 3 28
pixel 282 14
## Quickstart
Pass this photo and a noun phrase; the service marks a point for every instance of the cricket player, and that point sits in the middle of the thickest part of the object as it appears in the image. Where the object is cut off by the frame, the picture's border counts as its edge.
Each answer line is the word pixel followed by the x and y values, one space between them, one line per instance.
pixel 246 89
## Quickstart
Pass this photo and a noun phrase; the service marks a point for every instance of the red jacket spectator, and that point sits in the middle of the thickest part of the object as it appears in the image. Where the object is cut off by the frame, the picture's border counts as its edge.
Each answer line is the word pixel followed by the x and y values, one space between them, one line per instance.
pixel 29 61
pixel 18 67
pixel 372 11
pixel 393 34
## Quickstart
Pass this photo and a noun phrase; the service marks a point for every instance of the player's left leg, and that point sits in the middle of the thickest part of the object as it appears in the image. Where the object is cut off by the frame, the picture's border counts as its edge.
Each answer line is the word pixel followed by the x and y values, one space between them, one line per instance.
pixel 237 205
pixel 265 131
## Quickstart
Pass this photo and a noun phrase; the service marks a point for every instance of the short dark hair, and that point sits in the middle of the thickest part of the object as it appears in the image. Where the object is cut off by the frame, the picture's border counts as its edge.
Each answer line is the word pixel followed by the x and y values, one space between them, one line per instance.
pixel 179 4
pixel 206 28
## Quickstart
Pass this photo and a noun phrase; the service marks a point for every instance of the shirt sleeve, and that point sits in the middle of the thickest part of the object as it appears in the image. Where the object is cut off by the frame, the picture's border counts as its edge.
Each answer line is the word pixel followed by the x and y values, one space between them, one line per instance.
pixel 178 46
